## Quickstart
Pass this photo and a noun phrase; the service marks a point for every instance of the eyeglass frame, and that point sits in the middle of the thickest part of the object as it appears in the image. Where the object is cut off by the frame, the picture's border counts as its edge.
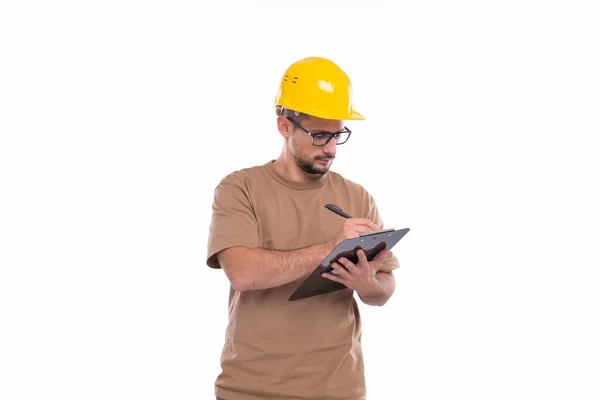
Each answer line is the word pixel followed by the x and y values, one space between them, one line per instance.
pixel 330 134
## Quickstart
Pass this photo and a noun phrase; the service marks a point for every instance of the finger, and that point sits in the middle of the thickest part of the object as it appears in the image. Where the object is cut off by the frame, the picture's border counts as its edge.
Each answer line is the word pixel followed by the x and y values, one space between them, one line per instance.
pixel 362 257
pixel 367 222
pixel 363 229
pixel 373 226
pixel 332 277
pixel 349 265
pixel 363 222
pixel 341 270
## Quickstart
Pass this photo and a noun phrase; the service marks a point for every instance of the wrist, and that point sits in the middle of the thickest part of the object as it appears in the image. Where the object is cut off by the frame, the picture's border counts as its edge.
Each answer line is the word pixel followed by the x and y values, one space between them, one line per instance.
pixel 372 289
pixel 332 243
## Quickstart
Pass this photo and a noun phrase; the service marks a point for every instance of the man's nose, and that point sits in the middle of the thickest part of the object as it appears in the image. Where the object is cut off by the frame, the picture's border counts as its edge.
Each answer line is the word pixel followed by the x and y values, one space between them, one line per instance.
pixel 330 147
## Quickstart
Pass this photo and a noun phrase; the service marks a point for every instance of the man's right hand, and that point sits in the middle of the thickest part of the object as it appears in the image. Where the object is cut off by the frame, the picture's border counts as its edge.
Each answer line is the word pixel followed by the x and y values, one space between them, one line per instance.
pixel 352 228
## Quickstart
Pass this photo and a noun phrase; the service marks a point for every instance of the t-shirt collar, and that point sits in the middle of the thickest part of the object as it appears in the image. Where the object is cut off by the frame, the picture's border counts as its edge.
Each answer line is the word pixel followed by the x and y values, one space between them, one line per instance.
pixel 311 184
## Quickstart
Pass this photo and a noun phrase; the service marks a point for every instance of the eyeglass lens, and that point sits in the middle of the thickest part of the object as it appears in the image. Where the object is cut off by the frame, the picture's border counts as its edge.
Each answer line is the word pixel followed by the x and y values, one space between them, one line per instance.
pixel 321 139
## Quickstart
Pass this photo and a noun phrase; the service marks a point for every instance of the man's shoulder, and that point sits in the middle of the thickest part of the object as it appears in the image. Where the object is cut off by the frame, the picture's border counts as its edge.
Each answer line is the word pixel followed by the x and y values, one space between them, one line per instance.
pixel 339 180
pixel 242 175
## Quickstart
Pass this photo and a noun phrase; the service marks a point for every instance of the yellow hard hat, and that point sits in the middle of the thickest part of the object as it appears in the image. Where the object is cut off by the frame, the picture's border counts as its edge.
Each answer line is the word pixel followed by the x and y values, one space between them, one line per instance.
pixel 317 86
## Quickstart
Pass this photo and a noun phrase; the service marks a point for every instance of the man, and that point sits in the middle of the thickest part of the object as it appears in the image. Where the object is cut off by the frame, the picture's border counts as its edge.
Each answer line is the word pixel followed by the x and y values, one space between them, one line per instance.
pixel 270 230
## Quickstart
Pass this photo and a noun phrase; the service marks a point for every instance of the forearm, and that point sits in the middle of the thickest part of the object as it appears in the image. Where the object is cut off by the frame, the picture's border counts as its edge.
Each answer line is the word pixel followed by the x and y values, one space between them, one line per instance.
pixel 252 269
pixel 386 284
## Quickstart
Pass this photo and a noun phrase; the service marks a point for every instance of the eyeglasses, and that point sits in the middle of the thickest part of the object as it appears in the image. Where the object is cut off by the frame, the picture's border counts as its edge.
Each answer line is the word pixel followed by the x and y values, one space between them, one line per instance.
pixel 323 138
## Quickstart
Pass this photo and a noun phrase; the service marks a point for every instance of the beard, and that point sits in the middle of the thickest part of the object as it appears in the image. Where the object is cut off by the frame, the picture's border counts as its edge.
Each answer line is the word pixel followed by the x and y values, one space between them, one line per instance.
pixel 307 165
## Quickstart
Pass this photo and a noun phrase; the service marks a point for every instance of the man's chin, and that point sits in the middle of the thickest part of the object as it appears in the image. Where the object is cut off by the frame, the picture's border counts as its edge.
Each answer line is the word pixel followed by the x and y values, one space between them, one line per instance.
pixel 316 167
pixel 320 171
pixel 320 168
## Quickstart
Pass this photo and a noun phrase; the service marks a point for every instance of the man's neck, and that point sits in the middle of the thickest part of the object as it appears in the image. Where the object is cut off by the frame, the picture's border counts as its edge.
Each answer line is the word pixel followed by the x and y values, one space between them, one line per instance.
pixel 290 170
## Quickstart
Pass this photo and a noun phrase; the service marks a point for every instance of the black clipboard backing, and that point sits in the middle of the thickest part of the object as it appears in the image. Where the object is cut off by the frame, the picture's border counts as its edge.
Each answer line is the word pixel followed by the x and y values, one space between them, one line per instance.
pixel 371 244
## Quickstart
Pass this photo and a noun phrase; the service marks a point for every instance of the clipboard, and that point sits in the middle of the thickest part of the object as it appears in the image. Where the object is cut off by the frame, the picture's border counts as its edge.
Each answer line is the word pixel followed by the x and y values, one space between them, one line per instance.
pixel 371 243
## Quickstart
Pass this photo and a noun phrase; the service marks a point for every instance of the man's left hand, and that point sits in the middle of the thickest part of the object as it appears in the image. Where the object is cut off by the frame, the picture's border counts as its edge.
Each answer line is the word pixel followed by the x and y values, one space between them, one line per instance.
pixel 360 276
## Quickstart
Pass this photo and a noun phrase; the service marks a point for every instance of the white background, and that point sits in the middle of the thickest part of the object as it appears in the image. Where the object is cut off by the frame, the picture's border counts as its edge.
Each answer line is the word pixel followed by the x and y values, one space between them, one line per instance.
pixel 118 118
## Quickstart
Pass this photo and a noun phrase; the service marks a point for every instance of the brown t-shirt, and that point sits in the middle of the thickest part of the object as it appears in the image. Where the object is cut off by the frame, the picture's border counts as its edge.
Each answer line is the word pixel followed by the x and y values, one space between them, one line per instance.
pixel 277 349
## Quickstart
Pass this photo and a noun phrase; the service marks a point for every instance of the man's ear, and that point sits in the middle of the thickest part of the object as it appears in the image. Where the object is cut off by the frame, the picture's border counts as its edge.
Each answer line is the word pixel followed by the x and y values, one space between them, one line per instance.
pixel 283 126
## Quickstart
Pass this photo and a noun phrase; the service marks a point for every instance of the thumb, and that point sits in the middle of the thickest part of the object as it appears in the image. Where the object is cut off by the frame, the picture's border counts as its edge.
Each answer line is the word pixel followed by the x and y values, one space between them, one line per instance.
pixel 382 255
pixel 378 260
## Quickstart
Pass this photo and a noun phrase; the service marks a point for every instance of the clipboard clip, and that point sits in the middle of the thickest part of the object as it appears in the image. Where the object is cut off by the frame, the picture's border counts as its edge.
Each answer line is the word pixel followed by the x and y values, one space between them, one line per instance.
pixel 376 233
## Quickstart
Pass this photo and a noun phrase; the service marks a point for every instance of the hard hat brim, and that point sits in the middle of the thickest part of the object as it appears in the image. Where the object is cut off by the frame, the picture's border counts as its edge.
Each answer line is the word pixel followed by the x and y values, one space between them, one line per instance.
pixel 356 116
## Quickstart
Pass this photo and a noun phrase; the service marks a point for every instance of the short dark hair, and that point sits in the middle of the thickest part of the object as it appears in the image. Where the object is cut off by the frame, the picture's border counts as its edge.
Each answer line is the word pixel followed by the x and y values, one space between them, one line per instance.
pixel 289 113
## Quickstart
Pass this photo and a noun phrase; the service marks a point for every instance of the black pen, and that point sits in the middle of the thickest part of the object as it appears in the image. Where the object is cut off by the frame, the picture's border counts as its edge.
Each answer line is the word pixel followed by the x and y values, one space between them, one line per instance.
pixel 337 210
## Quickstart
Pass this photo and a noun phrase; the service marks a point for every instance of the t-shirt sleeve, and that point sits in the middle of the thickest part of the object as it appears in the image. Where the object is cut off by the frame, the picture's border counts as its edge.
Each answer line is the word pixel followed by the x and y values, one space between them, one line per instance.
pixel 233 220
pixel 391 261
